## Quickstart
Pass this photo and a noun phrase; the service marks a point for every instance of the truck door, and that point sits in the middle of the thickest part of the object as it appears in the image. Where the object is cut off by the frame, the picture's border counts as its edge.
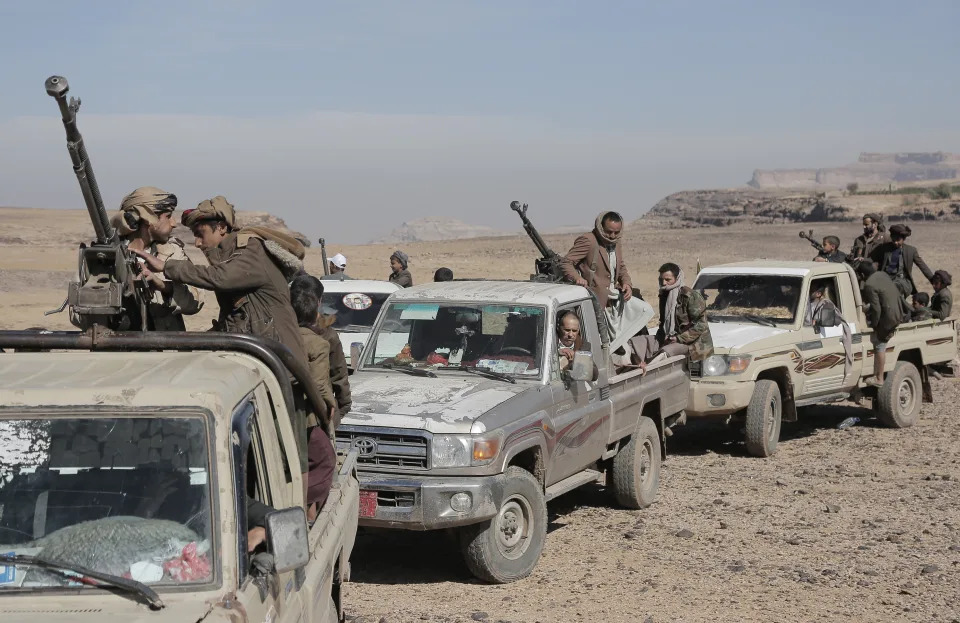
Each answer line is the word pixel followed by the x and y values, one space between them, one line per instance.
pixel 268 474
pixel 580 412
pixel 822 352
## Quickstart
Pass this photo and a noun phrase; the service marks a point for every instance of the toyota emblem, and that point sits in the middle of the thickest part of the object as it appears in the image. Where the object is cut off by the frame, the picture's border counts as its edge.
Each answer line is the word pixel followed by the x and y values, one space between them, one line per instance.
pixel 366 446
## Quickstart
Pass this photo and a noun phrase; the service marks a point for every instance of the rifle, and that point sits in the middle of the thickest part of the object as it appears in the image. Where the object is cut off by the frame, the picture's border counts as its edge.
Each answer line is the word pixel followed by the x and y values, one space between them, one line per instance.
pixel 808 236
pixel 323 253
pixel 109 291
pixel 548 265
pixel 549 268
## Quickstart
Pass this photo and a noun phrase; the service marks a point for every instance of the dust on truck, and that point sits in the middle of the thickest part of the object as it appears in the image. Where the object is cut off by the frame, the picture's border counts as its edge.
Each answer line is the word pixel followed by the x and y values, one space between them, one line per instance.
pixel 126 479
pixel 463 418
pixel 769 360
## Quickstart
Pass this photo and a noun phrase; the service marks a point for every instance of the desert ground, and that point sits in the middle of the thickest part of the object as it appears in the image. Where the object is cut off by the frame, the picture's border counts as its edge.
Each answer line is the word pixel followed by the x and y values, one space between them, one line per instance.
pixel 854 525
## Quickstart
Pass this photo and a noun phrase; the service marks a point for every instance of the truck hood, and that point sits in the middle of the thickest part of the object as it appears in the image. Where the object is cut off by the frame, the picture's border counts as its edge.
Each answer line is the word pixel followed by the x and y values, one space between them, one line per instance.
pixel 730 335
pixel 96 606
pixel 450 403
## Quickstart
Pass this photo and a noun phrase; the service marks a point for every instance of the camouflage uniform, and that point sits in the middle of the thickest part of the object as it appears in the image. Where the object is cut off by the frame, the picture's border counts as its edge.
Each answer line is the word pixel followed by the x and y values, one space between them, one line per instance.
pixel 693 330
pixel 922 313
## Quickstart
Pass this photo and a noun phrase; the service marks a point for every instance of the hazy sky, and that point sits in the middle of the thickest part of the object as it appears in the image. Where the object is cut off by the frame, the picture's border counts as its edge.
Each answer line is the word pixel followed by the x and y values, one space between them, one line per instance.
pixel 347 118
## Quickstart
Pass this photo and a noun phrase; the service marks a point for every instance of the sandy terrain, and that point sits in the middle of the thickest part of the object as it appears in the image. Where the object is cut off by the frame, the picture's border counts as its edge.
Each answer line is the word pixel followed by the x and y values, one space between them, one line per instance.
pixel 861 525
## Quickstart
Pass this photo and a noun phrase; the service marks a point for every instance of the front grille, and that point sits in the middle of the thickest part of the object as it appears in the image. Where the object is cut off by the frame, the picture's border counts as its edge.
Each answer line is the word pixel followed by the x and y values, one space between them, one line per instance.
pixel 395 499
pixel 696 369
pixel 386 448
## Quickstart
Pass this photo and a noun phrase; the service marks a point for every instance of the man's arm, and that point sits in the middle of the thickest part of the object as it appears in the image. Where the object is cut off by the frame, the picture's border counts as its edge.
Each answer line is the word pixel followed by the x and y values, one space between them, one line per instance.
pixel 320 370
pixel 577 253
pixel 697 313
pixel 339 374
pixel 244 270
pixel 187 299
pixel 623 277
pixel 922 265
pixel 872 298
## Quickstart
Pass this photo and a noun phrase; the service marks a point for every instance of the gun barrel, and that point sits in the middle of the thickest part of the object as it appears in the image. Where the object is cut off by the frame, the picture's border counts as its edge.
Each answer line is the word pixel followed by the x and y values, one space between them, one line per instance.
pixel 57 87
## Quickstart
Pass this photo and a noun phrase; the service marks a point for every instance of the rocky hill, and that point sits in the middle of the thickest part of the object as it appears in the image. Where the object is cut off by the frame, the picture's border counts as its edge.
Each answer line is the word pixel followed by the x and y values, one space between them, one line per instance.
pixel 870 169
pixel 438 228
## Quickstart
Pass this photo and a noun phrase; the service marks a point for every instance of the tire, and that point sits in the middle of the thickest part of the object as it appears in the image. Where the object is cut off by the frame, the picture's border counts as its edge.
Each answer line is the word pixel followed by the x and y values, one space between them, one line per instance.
pixel 636 468
pixel 900 398
pixel 764 414
pixel 507 547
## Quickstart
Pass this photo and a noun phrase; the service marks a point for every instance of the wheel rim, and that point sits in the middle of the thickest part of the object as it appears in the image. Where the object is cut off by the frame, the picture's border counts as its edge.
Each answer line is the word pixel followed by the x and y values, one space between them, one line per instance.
pixel 773 414
pixel 907 396
pixel 514 526
pixel 645 462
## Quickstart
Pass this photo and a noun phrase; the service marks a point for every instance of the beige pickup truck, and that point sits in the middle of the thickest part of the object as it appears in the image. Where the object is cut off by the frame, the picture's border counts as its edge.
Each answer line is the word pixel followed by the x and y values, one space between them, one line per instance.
pixel 127 480
pixel 769 361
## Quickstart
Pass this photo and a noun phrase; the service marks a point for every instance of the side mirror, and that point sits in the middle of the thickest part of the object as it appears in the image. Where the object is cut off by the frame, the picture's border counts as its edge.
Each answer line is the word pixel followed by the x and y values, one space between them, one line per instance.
pixel 287 539
pixel 356 351
pixel 582 368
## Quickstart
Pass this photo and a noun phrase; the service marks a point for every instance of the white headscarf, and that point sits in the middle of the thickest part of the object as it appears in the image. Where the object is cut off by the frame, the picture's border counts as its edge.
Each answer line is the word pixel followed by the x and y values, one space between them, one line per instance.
pixel 669 320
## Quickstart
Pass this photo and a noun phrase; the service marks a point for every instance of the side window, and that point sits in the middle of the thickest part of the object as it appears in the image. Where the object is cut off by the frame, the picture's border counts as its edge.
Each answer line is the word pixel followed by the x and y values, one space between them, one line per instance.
pixel 831 292
pixel 287 475
pixel 564 321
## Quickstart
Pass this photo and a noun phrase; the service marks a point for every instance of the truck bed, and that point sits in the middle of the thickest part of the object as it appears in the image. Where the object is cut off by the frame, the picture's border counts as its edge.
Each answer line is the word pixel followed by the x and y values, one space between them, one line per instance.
pixel 666 381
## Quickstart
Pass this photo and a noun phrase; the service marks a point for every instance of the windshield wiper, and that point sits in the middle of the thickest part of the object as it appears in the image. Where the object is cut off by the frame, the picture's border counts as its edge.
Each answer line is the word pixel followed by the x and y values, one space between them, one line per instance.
pixel 408 369
pixel 759 319
pixel 487 372
pixel 61 569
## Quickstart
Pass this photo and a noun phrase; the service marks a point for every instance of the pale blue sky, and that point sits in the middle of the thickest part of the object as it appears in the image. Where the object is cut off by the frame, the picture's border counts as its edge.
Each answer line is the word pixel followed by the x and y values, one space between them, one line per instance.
pixel 346 118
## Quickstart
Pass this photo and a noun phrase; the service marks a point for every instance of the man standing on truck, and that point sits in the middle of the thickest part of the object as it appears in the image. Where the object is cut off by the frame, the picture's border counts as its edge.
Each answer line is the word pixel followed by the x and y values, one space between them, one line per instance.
pixel 896 258
pixel 339 372
pixel 884 314
pixel 874 235
pixel 338 268
pixel 596 261
pixel 145 221
pixel 942 302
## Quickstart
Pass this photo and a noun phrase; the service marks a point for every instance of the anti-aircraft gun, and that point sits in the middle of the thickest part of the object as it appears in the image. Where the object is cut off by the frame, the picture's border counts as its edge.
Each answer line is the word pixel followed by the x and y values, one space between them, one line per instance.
pixel 808 236
pixel 109 292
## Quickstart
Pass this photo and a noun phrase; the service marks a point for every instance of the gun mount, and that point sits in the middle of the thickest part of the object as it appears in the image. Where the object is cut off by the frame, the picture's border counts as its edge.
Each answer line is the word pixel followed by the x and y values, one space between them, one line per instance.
pixel 109 292
pixel 548 265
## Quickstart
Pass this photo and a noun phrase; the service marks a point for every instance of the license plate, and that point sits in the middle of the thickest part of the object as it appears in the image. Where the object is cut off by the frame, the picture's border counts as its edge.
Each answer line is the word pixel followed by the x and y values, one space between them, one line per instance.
pixel 368 503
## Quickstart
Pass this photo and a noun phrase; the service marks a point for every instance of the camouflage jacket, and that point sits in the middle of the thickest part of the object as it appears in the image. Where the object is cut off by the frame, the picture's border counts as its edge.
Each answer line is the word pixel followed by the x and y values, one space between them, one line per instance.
pixel 692 327
pixel 941 304
pixel 921 314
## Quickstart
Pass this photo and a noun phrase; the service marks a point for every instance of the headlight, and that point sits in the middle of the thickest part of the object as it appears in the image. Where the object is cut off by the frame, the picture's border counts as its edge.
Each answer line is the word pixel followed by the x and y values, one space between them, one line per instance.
pixel 463 450
pixel 714 365
pixel 717 365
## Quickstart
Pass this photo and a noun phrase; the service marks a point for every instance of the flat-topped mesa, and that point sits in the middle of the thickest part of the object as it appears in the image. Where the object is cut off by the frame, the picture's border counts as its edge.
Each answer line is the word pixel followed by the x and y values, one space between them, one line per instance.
pixel 870 168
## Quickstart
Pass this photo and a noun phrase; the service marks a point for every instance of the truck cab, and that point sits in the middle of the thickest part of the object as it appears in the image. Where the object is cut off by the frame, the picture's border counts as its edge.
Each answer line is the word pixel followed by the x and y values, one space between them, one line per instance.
pixel 769 359
pixel 126 483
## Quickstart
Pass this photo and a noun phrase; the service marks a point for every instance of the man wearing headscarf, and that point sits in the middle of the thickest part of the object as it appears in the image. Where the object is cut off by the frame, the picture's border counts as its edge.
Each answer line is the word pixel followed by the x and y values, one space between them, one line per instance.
pixel 874 235
pixel 941 304
pixel 897 258
pixel 400 275
pixel 145 221
pixel 596 262
pixel 249 271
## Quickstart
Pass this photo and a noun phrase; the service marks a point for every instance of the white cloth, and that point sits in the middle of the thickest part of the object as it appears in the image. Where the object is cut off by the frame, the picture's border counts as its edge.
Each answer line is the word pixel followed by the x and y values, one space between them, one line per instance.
pixel 626 319
pixel 612 258
pixel 669 320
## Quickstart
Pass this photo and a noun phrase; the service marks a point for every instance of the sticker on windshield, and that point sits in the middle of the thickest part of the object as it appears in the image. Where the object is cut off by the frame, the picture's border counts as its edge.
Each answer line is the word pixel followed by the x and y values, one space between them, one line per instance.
pixel 504 367
pixel 420 311
pixel 357 301
pixel 11 575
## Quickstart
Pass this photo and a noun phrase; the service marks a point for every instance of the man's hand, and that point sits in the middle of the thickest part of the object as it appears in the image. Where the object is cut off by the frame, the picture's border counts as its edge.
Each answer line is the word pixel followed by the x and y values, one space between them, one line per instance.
pixel 580 281
pixel 255 537
pixel 567 352
pixel 819 258
pixel 155 263
pixel 156 282
pixel 627 291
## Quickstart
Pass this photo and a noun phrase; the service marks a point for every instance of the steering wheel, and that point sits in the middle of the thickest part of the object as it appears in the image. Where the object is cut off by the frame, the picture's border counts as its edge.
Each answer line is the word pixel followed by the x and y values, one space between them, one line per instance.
pixel 516 351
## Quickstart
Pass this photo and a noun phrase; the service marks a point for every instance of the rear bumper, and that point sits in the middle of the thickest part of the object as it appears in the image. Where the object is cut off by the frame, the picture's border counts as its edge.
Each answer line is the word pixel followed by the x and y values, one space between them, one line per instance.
pixel 423 503
pixel 716 397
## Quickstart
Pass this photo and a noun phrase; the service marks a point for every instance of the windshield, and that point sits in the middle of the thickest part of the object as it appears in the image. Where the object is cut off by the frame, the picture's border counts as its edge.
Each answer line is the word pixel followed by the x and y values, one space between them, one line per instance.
pixel 354 310
pixel 772 298
pixel 128 496
pixel 502 338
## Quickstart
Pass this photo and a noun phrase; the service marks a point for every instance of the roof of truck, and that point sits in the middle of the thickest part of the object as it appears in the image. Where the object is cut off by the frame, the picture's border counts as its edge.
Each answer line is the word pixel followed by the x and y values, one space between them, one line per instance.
pixel 516 292
pixel 368 286
pixel 773 267
pixel 127 379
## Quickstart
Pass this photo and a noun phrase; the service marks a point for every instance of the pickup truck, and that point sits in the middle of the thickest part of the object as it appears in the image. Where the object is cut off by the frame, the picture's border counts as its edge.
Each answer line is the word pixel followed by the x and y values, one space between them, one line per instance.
pixel 463 418
pixel 355 304
pixel 768 361
pixel 126 479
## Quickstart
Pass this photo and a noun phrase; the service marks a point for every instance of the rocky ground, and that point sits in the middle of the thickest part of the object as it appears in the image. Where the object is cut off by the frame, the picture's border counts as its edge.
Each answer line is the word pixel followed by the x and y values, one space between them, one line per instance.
pixel 855 525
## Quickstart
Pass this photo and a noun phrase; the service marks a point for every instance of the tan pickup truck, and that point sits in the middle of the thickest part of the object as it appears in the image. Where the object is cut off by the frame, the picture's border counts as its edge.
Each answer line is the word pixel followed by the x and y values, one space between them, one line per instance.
pixel 768 361
pixel 127 478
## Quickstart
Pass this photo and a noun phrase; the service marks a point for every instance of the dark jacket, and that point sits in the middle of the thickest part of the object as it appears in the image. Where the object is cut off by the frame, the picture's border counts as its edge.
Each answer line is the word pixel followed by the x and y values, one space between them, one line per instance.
pixel 941 304
pixel 910 256
pixel 922 313
pixel 403 279
pixel 339 373
pixel 883 297
pixel 692 326
pixel 863 248
pixel 837 257
pixel 590 260
pixel 250 287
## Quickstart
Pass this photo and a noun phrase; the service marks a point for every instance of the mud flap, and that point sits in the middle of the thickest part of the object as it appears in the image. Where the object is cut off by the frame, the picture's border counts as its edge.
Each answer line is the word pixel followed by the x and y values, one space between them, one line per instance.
pixel 925 384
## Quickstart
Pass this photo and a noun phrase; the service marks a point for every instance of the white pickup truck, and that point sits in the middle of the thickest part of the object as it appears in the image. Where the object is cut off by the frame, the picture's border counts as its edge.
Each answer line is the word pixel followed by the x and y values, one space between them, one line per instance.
pixel 355 303
pixel 128 478
pixel 768 361
pixel 463 418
